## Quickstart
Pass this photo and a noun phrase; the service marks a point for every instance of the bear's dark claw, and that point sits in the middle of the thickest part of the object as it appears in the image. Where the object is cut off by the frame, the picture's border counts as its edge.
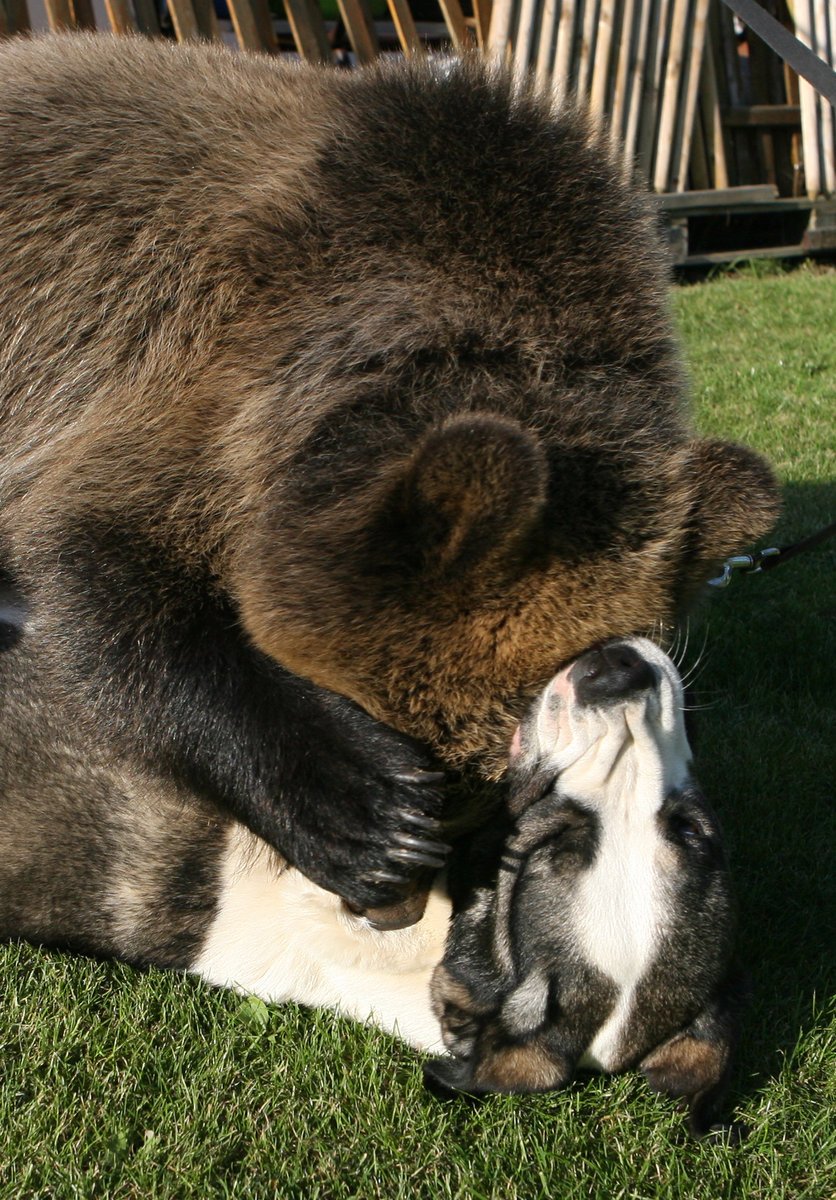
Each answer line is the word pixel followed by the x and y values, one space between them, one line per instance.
pixel 421 820
pixel 386 877
pixel 417 858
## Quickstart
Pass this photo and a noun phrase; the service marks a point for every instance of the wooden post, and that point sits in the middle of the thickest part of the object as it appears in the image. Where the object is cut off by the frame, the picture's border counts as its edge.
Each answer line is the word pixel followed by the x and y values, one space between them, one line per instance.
pixel 622 73
pixel 500 29
pixel 482 16
pixel 523 37
pixel 251 30
pixel 59 15
pixel 308 30
pixel 636 88
pixel 823 49
pixel 803 16
pixel 586 50
pixel 562 69
pixel 601 66
pixel 651 92
pixel 453 15
pixel 404 23
pixel 359 26
pixel 14 17
pixel 692 85
pixel 545 45
pixel 121 16
pixel 713 123
pixel 666 136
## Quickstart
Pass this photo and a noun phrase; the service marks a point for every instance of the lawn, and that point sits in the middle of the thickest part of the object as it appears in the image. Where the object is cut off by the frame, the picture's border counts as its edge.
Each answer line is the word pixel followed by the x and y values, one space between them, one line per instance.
pixel 124 1084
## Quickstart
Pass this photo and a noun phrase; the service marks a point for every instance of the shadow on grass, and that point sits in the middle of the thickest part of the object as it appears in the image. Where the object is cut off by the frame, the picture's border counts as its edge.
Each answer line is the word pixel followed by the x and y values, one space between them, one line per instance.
pixel 766 757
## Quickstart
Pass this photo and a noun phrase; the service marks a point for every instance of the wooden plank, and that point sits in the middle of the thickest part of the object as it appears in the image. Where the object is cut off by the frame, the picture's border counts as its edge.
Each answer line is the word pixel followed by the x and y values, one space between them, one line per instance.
pixel 652 91
pixel 83 17
pixel 251 30
pixel 665 139
pixel 602 64
pixel 453 15
pixel 545 43
pixel 308 30
pixel 482 17
pixel 523 36
pixel 765 114
pixel 825 110
pixel 689 106
pixel 803 15
pixel 636 87
pixel 147 20
pixel 184 20
pixel 59 15
pixel 500 30
pixel 14 17
pixel 562 67
pixel 712 122
pixel 586 48
pixel 121 17
pixel 620 97
pixel 359 26
pixel 718 198
pixel 405 28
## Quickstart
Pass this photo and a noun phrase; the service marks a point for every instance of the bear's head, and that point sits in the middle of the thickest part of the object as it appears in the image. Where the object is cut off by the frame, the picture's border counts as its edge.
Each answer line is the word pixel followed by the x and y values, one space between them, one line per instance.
pixel 451 589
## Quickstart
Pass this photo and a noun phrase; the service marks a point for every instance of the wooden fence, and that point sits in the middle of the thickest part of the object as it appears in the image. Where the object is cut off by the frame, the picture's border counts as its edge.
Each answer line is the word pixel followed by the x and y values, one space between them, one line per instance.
pixel 688 98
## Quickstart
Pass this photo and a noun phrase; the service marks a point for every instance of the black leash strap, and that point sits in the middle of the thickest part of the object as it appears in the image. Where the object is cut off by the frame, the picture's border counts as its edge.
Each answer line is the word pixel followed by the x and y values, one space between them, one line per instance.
pixel 767 560
pixel 802 60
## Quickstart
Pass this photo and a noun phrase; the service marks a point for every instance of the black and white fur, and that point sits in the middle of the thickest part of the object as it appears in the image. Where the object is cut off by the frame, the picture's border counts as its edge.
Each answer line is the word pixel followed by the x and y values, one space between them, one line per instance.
pixel 590 930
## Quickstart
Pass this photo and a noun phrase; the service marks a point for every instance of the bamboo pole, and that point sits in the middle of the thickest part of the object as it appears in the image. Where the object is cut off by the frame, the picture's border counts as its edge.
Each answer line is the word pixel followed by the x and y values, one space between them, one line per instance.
pixel 482 17
pixel 59 15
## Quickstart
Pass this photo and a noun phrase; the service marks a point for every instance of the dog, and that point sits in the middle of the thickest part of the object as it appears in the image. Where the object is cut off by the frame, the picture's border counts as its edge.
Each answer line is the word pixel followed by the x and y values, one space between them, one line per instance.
pixel 589 926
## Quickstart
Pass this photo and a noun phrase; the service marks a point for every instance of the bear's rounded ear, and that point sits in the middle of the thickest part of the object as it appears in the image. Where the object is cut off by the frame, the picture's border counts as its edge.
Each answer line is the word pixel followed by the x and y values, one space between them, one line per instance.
pixel 474 489
pixel 735 499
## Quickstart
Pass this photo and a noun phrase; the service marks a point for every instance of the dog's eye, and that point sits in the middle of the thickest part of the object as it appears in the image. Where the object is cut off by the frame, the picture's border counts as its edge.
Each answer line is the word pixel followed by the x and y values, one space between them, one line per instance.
pixel 684 829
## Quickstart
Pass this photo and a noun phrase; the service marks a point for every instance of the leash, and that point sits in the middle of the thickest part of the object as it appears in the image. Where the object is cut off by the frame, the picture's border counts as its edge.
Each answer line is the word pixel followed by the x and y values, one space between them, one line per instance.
pixel 788 47
pixel 767 560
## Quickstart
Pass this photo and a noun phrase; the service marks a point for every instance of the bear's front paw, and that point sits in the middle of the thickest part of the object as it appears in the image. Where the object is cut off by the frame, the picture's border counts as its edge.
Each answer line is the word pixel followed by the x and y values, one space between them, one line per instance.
pixel 369 822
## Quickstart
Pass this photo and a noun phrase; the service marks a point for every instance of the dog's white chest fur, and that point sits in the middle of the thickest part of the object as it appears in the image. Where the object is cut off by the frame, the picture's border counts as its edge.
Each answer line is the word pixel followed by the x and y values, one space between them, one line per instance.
pixel 281 937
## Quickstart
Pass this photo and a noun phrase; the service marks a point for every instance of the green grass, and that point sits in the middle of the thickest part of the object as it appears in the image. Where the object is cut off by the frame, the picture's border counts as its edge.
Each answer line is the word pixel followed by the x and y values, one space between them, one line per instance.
pixel 124 1084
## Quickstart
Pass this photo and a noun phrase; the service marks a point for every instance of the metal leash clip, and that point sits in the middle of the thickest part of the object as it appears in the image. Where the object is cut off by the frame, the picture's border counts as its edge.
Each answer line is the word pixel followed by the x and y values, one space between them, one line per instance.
pixel 749 564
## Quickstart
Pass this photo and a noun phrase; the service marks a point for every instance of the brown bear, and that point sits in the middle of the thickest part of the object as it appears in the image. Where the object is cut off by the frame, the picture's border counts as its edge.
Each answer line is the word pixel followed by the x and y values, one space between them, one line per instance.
pixel 339 409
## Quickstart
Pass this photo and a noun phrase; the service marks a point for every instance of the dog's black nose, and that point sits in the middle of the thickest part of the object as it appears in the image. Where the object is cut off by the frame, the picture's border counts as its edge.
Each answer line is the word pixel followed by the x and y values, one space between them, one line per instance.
pixel 611 673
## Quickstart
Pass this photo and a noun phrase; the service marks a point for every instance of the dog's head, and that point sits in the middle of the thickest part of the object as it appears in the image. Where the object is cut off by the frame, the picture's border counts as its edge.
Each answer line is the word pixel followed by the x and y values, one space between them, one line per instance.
pixel 604 938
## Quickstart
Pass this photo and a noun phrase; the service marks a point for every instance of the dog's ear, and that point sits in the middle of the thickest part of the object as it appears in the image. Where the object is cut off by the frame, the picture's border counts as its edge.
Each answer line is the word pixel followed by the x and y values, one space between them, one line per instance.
pixel 695 1063
pixel 473 490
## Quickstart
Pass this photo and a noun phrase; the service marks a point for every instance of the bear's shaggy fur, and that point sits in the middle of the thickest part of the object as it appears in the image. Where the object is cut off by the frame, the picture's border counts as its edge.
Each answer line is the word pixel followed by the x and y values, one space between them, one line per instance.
pixel 367 377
